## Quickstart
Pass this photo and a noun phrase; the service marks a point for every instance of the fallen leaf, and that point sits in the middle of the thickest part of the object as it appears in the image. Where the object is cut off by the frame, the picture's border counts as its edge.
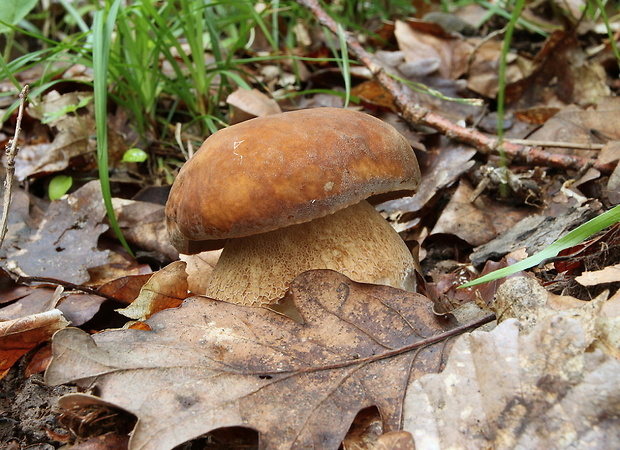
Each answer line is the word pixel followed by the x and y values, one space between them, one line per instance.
pixel 524 299
pixel 248 104
pixel 479 221
pixel 508 389
pixel 576 80
pixel 483 70
pixel 35 301
pixel 371 92
pixel 166 288
pixel 211 364
pixel 19 336
pixel 612 190
pixel 144 225
pixel 199 268
pixel 582 126
pixel 441 169
pixel 610 152
pixel 419 43
pixel 80 308
pixel 610 274
pixel 63 245
pixel 71 115
pixel 125 289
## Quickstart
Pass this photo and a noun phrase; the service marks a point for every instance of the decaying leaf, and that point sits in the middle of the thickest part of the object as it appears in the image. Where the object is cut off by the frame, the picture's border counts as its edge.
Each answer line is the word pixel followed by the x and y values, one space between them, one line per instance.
pixel 593 125
pixel 63 245
pixel 534 233
pixel 420 45
pixel 32 301
pixel 476 221
pixel 143 224
pixel 211 364
pixel 165 289
pixel 527 301
pixel 610 274
pixel 248 104
pixel 19 336
pixel 445 167
pixel 507 389
pixel 199 268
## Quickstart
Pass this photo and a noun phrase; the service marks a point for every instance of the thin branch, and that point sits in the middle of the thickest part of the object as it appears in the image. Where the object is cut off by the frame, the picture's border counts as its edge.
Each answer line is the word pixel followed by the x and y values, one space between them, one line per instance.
pixel 11 152
pixel 67 285
pixel 416 114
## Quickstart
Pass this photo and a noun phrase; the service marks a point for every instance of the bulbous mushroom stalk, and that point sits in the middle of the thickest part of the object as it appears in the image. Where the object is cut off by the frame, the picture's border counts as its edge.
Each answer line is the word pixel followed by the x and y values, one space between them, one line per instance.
pixel 355 241
pixel 286 193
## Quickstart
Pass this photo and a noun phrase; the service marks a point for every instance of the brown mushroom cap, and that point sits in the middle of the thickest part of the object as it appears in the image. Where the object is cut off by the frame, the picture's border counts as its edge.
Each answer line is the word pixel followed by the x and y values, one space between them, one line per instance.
pixel 285 169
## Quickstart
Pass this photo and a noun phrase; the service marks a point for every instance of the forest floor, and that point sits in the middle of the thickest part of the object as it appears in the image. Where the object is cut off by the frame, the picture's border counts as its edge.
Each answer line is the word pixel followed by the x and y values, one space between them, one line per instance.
pixel 138 358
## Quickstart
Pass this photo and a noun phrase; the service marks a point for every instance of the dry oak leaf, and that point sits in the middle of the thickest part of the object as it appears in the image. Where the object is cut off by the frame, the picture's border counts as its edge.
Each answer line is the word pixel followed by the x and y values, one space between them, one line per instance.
pixel 507 389
pixel 166 288
pixel 210 364
pixel 19 336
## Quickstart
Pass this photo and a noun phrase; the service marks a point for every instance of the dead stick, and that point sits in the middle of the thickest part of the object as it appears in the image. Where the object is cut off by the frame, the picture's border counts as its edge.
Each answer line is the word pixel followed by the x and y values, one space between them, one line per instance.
pixel 11 152
pixel 416 114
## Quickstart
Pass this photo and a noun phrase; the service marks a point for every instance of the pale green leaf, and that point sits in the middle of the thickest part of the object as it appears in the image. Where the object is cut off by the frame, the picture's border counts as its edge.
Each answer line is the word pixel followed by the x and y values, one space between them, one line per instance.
pixel 59 186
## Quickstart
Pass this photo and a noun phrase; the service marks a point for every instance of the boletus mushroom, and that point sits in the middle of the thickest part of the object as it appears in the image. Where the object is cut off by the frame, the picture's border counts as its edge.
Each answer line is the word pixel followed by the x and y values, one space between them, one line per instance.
pixel 288 193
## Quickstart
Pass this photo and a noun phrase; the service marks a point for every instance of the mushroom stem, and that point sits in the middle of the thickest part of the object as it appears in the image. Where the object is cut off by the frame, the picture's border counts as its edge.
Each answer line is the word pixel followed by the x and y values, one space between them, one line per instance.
pixel 356 241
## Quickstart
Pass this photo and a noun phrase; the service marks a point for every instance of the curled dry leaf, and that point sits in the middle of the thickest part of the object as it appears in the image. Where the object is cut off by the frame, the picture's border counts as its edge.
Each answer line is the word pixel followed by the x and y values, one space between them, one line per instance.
pixel 199 269
pixel 444 167
pixel 251 103
pixel 166 288
pixel 418 45
pixel 19 336
pixel 508 389
pixel 610 274
pixel 212 364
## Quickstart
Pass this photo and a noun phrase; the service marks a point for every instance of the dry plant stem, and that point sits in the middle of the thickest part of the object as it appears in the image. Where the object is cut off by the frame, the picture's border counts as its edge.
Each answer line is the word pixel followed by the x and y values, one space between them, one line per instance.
pixel 66 285
pixel 573 145
pixel 415 114
pixel 11 152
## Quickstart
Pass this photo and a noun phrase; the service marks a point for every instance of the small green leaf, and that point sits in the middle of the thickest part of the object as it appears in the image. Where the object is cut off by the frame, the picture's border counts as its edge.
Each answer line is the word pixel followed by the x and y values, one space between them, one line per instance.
pixel 135 155
pixel 13 11
pixel 59 186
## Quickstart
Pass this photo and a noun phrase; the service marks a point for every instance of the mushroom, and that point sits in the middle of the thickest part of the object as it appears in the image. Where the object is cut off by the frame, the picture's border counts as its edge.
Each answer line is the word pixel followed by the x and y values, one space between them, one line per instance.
pixel 287 193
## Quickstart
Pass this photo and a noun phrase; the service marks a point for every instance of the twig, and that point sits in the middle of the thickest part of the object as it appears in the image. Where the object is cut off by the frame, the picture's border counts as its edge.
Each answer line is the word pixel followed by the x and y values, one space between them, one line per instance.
pixel 11 152
pixel 416 114
pixel 573 145
pixel 66 285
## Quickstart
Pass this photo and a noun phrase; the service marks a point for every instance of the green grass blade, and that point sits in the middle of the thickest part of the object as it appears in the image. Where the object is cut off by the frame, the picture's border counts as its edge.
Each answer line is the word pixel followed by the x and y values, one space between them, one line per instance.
pixel 501 93
pixel 610 32
pixel 102 35
pixel 75 15
pixel 571 239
